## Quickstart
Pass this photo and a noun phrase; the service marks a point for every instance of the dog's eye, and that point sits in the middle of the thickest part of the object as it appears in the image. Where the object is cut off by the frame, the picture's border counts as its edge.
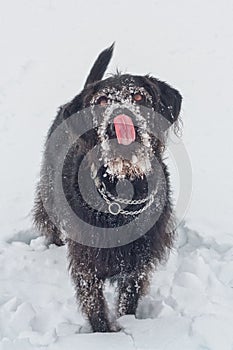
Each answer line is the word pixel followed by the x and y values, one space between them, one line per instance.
pixel 102 101
pixel 137 97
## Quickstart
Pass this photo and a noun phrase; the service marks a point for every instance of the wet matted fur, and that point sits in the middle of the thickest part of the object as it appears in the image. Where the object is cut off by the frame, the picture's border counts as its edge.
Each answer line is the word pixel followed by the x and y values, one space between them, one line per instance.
pixel 129 265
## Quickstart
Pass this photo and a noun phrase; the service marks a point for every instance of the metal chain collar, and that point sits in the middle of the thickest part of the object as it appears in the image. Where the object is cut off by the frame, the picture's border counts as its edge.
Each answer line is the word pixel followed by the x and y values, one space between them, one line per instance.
pixel 115 208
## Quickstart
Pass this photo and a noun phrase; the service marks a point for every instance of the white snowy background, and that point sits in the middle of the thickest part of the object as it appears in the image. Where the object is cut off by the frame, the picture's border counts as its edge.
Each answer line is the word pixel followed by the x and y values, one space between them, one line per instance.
pixel 47 49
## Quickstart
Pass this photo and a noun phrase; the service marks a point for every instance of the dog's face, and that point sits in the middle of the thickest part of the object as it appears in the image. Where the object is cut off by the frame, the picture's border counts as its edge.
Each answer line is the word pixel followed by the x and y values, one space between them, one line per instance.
pixel 131 115
pixel 121 107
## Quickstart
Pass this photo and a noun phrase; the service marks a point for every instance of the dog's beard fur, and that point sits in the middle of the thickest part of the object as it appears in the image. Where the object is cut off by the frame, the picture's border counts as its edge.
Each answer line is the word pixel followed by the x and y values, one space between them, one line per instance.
pixel 122 168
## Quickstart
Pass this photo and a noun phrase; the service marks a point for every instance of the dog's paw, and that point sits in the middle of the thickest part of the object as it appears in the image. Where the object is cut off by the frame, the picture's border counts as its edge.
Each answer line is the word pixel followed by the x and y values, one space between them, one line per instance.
pixel 115 327
pixel 106 328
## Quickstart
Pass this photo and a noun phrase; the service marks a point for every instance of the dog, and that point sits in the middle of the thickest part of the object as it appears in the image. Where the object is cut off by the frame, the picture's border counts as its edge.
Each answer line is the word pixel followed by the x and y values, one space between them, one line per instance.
pixel 131 116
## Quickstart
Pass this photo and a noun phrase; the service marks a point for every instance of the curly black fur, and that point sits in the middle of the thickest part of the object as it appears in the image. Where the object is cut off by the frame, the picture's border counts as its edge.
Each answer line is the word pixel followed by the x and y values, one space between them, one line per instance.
pixel 129 265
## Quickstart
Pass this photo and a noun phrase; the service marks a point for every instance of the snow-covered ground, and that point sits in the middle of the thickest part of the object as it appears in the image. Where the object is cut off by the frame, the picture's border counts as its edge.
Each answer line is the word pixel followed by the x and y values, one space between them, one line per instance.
pixel 47 48
pixel 190 304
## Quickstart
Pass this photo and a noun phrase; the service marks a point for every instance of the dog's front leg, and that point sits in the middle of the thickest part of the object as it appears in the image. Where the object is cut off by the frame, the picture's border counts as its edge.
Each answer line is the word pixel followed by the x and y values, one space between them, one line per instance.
pixel 131 288
pixel 89 291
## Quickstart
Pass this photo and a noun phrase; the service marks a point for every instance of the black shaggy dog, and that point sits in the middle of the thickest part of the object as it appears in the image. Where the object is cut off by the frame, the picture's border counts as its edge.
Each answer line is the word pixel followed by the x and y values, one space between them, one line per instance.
pixel 121 200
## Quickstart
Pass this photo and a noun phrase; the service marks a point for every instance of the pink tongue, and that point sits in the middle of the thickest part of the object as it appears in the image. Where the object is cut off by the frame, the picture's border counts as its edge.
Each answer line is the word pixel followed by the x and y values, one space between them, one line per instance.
pixel 124 128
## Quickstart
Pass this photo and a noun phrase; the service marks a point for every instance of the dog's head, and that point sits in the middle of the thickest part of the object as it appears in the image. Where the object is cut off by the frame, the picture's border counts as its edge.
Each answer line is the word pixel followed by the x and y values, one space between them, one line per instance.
pixel 131 115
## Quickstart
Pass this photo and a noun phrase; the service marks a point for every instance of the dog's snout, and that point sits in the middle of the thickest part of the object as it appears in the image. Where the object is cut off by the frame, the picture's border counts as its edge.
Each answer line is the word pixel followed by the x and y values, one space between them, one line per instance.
pixel 123 110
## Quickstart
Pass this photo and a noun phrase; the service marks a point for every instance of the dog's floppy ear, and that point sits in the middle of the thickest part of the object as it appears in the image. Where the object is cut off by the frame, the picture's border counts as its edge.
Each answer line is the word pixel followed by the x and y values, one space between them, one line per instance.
pixel 100 66
pixel 169 100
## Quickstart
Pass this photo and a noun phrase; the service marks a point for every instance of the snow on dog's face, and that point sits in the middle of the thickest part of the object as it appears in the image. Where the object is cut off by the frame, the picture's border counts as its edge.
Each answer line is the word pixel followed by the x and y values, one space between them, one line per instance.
pixel 126 112
pixel 121 109
pixel 131 115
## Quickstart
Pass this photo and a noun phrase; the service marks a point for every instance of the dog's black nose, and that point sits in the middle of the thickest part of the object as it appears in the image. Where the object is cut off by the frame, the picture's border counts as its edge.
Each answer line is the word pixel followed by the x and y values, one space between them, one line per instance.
pixel 122 110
